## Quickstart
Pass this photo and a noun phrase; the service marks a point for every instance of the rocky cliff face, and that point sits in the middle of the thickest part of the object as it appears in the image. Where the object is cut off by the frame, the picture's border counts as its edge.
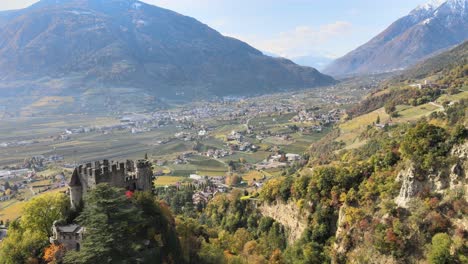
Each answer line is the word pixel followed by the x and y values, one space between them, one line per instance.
pixel 340 246
pixel 413 183
pixel 289 215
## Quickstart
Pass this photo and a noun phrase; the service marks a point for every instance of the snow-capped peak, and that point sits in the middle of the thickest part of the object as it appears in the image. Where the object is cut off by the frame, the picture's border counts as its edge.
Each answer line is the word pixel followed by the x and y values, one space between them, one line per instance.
pixel 456 5
pixel 426 10
pixel 430 6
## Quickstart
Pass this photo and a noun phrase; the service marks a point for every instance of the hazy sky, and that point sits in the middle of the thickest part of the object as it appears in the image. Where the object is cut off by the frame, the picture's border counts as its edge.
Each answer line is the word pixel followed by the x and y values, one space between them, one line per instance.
pixel 290 28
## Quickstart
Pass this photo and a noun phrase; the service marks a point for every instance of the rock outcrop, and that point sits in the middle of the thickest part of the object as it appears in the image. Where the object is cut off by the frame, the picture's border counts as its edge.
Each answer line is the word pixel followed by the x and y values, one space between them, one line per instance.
pixel 414 182
pixel 339 246
pixel 289 215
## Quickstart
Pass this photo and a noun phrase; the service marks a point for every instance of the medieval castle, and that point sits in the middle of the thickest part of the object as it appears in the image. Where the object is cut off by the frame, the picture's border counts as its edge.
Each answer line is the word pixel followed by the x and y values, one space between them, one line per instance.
pixel 130 175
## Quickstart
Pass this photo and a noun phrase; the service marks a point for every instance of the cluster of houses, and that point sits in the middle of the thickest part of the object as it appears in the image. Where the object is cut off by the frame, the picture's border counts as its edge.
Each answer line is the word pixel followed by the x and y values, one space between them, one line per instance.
pixel 236 141
pixel 235 136
pixel 278 161
pixel 330 117
pixel 426 84
pixel 39 162
pixel 218 153
pixel 14 181
pixel 207 188
pixel 135 123
pixel 14 173
pixel 8 191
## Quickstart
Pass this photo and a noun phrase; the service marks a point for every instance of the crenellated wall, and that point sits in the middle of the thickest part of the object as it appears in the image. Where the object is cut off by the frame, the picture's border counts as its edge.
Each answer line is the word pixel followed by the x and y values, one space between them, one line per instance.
pixel 127 175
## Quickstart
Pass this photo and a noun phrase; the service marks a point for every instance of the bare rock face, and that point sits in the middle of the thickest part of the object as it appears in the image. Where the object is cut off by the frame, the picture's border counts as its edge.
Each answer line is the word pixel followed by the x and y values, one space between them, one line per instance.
pixel 339 246
pixel 413 183
pixel 460 151
pixel 289 215
pixel 410 186
pixel 459 171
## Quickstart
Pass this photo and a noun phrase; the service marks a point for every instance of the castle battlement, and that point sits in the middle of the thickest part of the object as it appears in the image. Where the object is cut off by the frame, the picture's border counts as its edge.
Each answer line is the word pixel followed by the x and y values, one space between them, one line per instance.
pixel 130 175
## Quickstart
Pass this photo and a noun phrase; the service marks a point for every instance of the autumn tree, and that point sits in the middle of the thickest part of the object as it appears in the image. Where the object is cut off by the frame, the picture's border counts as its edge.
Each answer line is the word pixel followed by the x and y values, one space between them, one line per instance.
pixel 276 257
pixel 54 254
pixel 233 179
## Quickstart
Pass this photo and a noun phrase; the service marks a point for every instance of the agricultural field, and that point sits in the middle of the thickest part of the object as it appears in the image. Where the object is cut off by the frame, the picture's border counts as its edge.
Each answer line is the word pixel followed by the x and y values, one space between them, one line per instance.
pixel 168 180
pixel 351 130
pixel 46 127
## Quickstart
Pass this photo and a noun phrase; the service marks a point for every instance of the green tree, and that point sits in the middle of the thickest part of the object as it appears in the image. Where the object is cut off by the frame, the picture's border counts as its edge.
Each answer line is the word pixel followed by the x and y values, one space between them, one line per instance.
pixel 211 253
pixel 110 220
pixel 390 108
pixel 21 244
pixel 40 213
pixel 425 145
pixel 440 249
pixel 157 222
pixel 29 235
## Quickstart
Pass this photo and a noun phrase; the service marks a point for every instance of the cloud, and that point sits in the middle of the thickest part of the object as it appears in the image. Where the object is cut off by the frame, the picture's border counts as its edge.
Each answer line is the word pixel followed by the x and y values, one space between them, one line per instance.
pixel 301 40
pixel 16 4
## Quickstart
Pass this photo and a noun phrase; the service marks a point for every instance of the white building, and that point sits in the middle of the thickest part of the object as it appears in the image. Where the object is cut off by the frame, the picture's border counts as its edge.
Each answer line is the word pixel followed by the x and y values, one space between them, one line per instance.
pixel 293 157
pixel 195 177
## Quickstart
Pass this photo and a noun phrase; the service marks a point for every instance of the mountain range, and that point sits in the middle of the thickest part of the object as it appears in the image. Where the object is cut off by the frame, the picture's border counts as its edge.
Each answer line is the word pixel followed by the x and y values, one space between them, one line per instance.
pixel 426 31
pixel 318 62
pixel 68 46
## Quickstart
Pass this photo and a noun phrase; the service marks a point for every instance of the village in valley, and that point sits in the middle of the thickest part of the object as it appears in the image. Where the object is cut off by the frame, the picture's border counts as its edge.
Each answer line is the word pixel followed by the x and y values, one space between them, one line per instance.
pixel 231 142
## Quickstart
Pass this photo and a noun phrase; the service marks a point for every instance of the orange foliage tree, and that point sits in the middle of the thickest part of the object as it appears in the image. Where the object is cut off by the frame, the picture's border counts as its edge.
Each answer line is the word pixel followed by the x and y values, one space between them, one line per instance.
pixel 54 253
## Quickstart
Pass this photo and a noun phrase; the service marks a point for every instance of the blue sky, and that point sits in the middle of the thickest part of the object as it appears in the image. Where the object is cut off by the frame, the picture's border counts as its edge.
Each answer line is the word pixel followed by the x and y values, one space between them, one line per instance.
pixel 289 28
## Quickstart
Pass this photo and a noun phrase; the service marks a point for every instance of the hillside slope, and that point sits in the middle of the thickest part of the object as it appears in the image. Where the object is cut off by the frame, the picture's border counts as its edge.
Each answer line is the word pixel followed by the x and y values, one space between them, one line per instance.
pixel 457 56
pixel 75 44
pixel 388 184
pixel 447 70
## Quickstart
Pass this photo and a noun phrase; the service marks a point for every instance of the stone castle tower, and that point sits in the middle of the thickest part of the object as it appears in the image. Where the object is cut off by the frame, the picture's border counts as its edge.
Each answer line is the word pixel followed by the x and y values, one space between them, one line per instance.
pixel 130 175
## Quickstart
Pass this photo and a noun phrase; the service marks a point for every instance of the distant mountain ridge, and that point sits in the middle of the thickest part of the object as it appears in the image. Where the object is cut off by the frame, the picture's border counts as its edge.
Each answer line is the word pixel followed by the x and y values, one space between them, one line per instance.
pixel 427 30
pixel 318 62
pixel 65 46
